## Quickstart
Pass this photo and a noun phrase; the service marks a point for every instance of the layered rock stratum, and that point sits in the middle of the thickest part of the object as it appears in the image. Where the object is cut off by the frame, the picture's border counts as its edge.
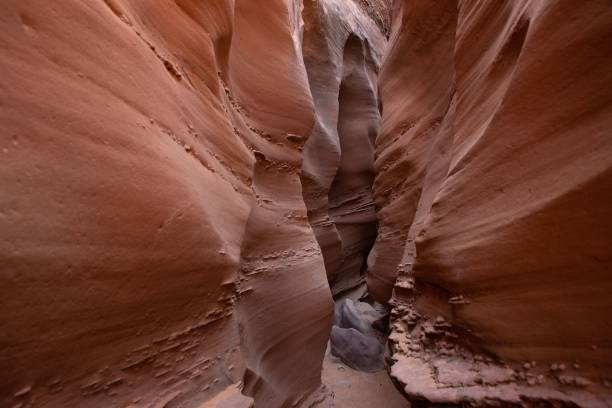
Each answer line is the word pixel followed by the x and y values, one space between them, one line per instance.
pixel 185 185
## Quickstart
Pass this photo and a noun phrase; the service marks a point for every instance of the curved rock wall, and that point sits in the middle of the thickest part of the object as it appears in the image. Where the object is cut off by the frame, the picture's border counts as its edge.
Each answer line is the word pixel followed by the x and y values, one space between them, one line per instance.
pixel 283 325
pixel 493 167
pixel 151 216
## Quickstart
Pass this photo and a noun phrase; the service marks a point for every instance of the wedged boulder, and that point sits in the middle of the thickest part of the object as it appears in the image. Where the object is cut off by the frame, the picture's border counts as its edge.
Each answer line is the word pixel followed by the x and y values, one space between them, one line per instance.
pixel 356 315
pixel 356 350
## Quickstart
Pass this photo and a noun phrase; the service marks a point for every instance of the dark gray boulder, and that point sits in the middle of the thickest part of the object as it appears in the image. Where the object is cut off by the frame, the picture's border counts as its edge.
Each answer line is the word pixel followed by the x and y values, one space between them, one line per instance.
pixel 356 315
pixel 356 350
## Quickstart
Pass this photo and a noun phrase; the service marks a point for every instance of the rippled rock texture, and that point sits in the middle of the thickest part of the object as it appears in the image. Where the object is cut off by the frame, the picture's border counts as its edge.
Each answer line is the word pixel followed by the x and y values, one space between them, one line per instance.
pixel 493 175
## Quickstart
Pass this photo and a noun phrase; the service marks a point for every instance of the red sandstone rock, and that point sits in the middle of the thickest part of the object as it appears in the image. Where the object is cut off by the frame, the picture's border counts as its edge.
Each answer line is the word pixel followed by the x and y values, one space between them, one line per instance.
pixel 162 163
pixel 493 173
pixel 142 238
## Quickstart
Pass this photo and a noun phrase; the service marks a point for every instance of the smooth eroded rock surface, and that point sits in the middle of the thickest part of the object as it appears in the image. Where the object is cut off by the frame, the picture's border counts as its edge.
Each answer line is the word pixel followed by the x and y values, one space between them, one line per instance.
pixel 154 242
pixel 493 166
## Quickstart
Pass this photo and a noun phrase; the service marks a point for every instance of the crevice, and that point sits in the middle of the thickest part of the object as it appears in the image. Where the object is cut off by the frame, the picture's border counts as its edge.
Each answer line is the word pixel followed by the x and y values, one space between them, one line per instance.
pixel 350 203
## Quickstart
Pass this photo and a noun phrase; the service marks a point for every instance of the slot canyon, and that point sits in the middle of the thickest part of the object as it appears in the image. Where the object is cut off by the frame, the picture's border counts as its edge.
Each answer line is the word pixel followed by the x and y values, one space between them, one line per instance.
pixel 306 203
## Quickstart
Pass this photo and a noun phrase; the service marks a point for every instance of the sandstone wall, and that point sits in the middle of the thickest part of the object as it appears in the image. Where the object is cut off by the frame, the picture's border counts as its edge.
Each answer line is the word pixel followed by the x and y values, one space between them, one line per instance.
pixel 493 170
pixel 181 180
pixel 154 243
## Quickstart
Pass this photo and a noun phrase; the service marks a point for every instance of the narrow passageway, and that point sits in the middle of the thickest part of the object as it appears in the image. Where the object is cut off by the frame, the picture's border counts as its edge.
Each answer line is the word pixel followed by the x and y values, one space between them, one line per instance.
pixel 353 387
pixel 340 200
